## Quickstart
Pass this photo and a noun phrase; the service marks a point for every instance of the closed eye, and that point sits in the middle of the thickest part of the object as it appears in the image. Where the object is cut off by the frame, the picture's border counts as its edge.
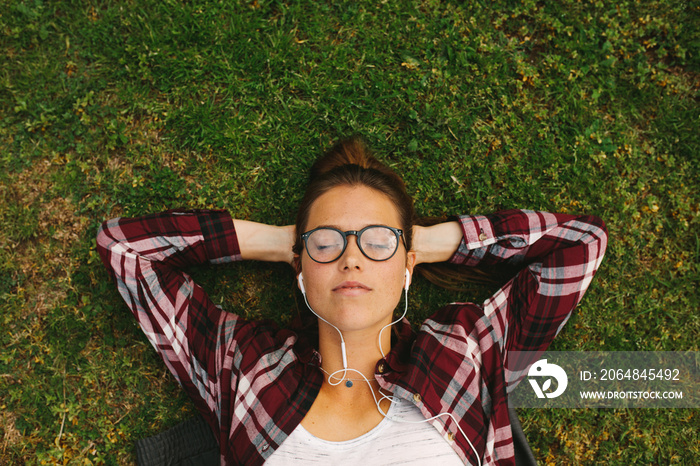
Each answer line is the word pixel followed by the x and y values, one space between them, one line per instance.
pixel 321 247
pixel 378 245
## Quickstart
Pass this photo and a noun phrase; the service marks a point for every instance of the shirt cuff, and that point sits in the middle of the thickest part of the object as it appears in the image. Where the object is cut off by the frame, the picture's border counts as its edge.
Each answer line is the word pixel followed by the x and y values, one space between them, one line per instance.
pixel 477 233
pixel 220 239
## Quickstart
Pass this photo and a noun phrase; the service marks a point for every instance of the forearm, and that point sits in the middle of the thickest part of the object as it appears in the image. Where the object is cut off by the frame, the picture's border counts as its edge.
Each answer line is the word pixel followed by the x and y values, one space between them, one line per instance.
pixel 554 258
pixel 258 241
pixel 175 238
pixel 523 237
pixel 146 256
pixel 436 243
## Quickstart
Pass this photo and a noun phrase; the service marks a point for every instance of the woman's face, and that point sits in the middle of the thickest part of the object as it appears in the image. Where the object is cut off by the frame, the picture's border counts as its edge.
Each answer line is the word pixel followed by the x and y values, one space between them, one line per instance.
pixel 355 293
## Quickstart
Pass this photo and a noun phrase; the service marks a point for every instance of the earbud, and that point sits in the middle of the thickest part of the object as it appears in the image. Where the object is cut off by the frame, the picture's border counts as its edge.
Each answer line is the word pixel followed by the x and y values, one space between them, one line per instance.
pixel 408 280
pixel 300 280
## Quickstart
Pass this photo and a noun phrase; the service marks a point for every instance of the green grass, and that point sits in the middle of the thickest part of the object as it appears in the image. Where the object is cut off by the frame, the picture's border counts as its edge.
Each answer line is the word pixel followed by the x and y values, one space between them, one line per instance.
pixel 123 108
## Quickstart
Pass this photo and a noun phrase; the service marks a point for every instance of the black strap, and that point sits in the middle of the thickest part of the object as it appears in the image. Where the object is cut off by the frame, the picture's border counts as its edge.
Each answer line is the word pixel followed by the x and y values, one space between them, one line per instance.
pixel 190 443
pixel 523 453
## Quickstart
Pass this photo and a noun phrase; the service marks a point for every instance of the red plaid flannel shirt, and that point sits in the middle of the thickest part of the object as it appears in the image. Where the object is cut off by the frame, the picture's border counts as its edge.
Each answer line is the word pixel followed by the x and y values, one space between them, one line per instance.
pixel 254 383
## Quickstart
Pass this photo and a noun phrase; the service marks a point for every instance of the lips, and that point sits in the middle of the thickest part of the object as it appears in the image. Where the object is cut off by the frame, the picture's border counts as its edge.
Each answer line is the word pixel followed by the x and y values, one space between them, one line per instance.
pixel 351 288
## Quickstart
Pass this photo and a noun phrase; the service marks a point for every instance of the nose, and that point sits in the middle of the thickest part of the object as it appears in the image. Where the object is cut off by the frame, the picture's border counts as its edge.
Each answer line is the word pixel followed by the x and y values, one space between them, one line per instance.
pixel 352 256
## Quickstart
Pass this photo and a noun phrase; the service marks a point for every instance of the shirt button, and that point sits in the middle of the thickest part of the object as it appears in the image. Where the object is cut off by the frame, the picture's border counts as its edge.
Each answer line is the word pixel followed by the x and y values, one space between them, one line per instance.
pixel 416 397
pixel 265 447
pixel 450 437
pixel 381 367
pixel 483 237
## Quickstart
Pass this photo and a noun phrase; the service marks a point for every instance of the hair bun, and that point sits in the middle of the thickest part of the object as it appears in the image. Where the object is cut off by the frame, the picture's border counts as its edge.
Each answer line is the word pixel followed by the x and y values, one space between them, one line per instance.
pixel 348 151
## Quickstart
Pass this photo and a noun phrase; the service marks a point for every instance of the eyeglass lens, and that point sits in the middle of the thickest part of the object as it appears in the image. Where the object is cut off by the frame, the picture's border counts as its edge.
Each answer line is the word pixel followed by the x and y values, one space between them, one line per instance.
pixel 377 243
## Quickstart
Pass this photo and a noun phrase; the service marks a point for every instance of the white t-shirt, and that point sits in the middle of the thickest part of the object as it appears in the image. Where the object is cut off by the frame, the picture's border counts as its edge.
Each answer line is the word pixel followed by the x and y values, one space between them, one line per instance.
pixel 390 442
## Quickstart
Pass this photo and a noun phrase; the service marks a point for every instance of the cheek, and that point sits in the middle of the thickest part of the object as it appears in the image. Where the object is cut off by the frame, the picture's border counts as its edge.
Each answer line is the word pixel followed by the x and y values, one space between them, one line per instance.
pixel 314 276
pixel 395 280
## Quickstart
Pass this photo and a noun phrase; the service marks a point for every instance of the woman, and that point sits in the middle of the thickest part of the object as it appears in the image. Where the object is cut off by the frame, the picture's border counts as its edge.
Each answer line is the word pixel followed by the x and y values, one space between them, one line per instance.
pixel 354 394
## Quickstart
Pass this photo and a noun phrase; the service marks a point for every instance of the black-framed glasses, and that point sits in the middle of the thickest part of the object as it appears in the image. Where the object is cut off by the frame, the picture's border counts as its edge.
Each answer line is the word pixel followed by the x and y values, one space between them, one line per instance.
pixel 376 242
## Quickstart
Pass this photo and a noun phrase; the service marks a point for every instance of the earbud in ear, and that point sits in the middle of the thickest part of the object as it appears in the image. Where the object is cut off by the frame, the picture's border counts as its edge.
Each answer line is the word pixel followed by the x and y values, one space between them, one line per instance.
pixel 300 280
pixel 408 280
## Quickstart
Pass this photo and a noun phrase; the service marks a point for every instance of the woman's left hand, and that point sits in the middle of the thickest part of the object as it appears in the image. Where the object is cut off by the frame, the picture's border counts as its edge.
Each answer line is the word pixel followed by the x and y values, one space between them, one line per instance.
pixel 436 243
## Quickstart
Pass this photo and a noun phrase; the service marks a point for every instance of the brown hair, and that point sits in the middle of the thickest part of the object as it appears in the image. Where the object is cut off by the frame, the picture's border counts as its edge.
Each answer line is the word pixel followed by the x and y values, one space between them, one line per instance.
pixel 350 163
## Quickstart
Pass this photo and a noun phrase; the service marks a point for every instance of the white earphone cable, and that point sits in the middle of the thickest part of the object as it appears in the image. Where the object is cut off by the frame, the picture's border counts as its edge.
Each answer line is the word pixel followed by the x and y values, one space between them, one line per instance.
pixel 391 398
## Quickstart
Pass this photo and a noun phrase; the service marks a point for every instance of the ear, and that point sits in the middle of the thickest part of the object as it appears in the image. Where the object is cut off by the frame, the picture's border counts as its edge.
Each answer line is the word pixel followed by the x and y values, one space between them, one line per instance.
pixel 410 264
pixel 296 264
pixel 300 283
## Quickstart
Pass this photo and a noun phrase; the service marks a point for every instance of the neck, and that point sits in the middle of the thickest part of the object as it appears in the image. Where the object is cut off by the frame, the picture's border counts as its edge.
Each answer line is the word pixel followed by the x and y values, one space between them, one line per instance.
pixel 361 348
pixel 356 388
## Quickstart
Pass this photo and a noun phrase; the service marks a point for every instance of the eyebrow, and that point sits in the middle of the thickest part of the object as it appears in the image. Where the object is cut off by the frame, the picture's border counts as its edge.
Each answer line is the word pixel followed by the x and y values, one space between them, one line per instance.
pixel 358 229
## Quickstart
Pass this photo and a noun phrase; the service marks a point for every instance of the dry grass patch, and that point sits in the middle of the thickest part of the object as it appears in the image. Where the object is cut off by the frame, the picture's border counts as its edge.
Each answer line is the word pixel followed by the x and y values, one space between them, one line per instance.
pixel 11 436
pixel 46 229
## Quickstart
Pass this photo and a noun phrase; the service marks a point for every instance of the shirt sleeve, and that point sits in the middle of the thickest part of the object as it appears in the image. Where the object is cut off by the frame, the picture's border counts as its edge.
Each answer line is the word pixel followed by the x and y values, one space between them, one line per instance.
pixel 194 337
pixel 556 256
